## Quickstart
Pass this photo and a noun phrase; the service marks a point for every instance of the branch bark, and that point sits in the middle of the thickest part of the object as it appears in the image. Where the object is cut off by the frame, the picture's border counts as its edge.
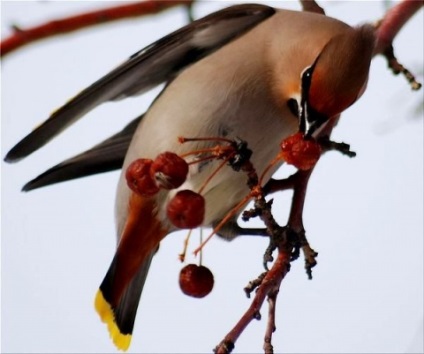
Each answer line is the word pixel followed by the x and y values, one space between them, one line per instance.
pixel 270 285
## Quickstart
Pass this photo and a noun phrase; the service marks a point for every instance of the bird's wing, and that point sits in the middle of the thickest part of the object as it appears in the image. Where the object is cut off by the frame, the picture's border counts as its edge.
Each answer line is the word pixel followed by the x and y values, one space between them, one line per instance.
pixel 155 64
pixel 104 157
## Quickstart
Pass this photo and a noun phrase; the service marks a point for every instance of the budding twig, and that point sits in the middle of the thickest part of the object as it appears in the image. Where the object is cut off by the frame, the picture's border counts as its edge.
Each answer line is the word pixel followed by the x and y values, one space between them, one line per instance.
pixel 386 31
pixel 311 6
pixel 328 145
pixel 398 68
pixel 253 284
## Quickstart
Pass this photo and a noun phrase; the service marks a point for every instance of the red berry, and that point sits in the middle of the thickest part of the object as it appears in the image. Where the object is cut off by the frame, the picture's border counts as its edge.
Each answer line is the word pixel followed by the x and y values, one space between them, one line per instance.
pixel 186 210
pixel 196 281
pixel 139 178
pixel 300 152
pixel 169 170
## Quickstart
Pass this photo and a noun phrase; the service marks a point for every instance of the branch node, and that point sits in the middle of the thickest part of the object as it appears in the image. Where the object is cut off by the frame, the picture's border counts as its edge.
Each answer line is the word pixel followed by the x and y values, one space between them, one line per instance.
pixel 268 258
pixel 310 259
pixel 312 6
pixel 16 28
pixel 225 347
pixel 268 348
pixel 253 284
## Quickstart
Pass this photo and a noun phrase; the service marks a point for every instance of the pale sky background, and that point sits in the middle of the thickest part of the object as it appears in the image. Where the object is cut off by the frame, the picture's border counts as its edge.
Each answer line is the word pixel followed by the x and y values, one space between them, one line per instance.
pixel 363 215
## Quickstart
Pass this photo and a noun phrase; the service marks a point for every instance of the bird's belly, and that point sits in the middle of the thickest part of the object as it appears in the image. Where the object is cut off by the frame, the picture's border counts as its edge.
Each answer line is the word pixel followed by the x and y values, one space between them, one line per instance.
pixel 211 110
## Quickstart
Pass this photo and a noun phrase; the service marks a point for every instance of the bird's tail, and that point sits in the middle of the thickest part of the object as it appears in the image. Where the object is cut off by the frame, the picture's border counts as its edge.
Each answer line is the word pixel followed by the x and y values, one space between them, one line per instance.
pixel 117 299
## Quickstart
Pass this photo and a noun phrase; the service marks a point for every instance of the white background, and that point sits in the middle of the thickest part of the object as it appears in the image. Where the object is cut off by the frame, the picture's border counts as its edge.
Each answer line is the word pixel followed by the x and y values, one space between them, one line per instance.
pixel 363 215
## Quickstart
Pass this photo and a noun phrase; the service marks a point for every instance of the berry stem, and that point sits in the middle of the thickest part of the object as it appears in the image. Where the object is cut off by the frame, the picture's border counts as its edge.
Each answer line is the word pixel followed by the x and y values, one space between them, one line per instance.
pixel 198 152
pixel 182 255
pixel 271 164
pixel 213 174
pixel 206 158
pixel 201 251
pixel 183 140
pixel 222 222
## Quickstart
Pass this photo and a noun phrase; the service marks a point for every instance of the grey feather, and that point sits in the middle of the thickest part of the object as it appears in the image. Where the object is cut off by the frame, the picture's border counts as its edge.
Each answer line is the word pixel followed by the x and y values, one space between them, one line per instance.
pixel 126 311
pixel 104 157
pixel 157 63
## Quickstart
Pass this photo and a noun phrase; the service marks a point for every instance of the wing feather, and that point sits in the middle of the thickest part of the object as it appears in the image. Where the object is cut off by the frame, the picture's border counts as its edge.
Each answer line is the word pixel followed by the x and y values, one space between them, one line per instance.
pixel 155 64
pixel 104 157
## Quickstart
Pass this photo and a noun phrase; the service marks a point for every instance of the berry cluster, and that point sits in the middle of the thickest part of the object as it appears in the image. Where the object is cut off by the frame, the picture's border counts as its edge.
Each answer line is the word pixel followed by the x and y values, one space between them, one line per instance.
pixel 186 209
pixel 146 177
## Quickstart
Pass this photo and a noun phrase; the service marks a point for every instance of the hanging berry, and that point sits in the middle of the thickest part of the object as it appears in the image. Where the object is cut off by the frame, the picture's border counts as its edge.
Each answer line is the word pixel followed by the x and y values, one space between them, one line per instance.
pixel 186 210
pixel 196 281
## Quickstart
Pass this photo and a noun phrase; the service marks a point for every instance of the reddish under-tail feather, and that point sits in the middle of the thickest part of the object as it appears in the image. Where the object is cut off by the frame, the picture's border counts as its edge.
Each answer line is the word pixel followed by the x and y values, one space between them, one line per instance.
pixel 140 237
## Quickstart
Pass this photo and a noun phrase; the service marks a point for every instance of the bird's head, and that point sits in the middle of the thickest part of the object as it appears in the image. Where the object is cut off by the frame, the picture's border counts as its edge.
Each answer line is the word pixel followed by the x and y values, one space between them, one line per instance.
pixel 337 77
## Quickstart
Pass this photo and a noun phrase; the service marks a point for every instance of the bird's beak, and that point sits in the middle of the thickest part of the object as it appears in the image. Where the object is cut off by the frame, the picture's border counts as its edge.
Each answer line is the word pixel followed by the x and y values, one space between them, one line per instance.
pixel 311 122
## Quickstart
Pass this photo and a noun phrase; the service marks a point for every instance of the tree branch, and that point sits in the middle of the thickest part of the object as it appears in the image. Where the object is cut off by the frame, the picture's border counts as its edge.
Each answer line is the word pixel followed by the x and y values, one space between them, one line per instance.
pixel 393 21
pixel 21 37
pixel 270 326
pixel 271 282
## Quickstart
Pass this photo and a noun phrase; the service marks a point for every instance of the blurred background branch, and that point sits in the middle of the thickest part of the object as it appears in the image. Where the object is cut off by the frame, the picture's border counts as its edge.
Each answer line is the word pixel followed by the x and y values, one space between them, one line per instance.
pixel 23 36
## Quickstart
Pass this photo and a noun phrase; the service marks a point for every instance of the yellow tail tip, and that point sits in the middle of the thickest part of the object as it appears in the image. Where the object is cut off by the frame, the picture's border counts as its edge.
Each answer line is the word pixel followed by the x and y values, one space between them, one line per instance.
pixel 105 311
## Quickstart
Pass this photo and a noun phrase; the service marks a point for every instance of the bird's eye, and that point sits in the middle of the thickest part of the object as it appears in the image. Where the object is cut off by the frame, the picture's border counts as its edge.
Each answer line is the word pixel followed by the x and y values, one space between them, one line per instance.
pixel 306 79
pixel 293 106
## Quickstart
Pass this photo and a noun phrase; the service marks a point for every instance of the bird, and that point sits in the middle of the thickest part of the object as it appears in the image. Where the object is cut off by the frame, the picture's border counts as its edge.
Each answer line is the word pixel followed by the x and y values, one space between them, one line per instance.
pixel 249 72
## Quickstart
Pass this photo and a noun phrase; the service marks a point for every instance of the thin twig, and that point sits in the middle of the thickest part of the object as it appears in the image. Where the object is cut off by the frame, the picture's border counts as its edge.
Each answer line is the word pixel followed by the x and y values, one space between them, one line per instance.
pixel 387 29
pixel 311 6
pixel 277 185
pixel 253 284
pixel 328 145
pixel 397 68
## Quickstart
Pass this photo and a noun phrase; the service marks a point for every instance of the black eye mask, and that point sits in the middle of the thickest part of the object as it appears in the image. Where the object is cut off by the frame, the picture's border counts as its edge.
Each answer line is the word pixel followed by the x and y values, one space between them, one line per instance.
pixel 309 119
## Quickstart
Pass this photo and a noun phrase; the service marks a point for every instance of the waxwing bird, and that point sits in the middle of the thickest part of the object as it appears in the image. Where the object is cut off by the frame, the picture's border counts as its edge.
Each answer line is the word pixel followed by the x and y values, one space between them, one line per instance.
pixel 250 72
